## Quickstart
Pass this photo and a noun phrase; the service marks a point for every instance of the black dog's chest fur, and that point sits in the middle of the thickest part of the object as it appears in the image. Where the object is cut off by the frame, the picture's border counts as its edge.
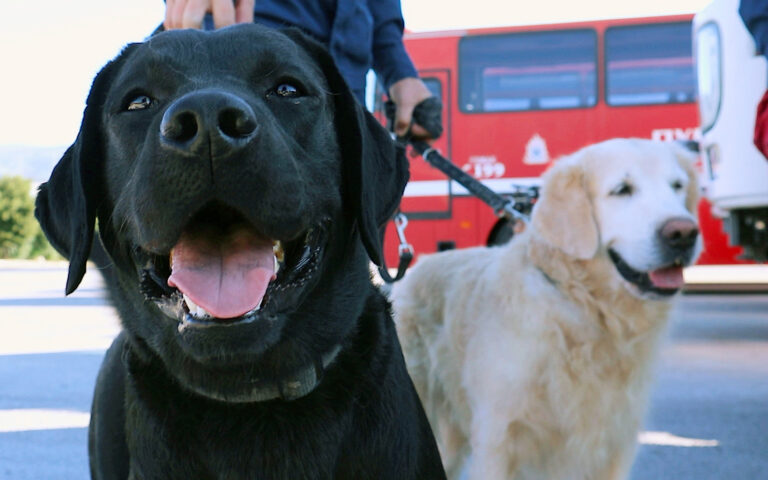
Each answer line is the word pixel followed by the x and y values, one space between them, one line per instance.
pixel 190 131
pixel 324 435
pixel 358 424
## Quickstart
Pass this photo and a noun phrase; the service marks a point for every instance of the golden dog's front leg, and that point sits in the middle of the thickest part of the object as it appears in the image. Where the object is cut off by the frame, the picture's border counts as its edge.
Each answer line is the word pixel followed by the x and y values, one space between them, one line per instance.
pixel 618 467
pixel 490 457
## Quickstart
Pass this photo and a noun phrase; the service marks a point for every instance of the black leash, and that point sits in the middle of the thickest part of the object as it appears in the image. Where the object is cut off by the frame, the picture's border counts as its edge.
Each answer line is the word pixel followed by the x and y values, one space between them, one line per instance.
pixel 404 251
pixel 428 115
pixel 502 206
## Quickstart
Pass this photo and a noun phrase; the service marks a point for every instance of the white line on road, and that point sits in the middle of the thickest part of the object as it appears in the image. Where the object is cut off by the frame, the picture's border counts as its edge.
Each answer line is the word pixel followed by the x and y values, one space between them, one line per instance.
pixel 22 420
pixel 668 440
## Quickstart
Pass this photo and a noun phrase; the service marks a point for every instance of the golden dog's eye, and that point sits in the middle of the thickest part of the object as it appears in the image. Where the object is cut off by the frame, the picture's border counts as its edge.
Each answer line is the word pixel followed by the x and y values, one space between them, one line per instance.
pixel 622 190
pixel 141 102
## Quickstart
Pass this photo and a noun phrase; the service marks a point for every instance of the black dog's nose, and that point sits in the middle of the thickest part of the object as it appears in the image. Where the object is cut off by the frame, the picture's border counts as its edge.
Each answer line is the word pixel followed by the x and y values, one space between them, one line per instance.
pixel 221 118
pixel 679 233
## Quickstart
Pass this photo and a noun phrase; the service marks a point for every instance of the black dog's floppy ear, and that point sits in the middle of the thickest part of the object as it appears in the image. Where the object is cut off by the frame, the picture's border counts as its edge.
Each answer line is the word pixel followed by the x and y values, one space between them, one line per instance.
pixel 374 168
pixel 375 171
pixel 67 203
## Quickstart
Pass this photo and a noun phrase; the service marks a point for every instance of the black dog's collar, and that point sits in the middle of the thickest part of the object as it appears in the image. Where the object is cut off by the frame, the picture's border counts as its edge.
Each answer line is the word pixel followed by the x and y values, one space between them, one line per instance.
pixel 299 385
pixel 292 387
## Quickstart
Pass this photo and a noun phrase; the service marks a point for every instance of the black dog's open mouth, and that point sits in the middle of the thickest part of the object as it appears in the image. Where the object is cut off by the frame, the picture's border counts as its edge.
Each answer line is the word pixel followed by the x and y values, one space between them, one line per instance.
pixel 222 271
pixel 664 281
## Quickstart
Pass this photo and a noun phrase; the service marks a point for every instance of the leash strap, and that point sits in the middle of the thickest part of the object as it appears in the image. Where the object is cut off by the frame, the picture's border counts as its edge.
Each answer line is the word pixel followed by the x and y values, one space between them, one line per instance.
pixel 502 206
pixel 428 114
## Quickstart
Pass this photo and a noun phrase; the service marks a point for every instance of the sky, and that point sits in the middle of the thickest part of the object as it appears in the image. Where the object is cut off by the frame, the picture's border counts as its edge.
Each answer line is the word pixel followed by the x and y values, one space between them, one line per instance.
pixel 50 50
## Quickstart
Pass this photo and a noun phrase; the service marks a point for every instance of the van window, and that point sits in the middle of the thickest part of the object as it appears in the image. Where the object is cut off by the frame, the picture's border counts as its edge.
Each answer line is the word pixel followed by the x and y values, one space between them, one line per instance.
pixel 709 73
pixel 649 64
pixel 528 71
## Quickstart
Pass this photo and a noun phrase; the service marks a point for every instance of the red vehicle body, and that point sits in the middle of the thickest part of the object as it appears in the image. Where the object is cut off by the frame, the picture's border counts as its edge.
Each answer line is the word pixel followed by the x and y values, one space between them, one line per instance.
pixel 517 98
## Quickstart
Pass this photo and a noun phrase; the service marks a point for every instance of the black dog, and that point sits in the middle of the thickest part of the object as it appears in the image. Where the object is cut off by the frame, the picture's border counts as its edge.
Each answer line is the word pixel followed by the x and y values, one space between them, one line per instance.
pixel 239 190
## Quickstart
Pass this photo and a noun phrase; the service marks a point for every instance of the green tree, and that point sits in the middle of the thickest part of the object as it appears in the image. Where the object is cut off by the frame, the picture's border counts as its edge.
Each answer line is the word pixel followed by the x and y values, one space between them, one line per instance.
pixel 17 220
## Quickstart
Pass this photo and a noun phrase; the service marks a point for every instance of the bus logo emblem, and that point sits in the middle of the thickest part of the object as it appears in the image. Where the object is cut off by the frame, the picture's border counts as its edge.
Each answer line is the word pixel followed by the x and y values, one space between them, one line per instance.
pixel 536 152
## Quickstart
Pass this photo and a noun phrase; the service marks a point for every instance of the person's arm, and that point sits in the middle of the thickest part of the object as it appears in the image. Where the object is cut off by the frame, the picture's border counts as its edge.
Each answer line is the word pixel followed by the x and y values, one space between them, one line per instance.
pixel 390 60
pixel 754 13
pixel 190 13
pixel 393 65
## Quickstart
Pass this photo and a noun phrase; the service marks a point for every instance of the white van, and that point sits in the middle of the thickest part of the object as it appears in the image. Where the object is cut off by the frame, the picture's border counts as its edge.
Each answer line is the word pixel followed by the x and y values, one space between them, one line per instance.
pixel 732 76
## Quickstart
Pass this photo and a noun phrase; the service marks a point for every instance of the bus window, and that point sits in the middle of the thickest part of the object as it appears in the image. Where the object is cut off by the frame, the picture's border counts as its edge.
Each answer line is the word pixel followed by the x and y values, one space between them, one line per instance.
pixel 649 64
pixel 528 71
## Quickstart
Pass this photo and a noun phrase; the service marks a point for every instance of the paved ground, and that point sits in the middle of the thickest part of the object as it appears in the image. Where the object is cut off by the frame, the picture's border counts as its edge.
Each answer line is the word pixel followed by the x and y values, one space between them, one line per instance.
pixel 712 392
pixel 708 418
pixel 50 351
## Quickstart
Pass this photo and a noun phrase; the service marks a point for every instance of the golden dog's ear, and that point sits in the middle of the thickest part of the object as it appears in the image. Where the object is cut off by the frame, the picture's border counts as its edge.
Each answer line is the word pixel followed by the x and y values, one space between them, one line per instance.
pixel 563 214
pixel 687 158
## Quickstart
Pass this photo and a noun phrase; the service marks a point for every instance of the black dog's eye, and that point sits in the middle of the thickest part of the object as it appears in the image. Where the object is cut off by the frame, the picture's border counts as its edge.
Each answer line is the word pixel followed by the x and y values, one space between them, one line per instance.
pixel 141 102
pixel 286 90
pixel 622 190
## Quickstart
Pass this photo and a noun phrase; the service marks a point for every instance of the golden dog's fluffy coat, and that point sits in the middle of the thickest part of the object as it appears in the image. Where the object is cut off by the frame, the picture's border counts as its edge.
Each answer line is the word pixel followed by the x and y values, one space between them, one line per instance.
pixel 534 359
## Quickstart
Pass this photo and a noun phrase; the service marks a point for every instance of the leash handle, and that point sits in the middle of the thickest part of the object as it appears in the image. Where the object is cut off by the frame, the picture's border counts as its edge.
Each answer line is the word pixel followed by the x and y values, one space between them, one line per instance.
pixel 428 114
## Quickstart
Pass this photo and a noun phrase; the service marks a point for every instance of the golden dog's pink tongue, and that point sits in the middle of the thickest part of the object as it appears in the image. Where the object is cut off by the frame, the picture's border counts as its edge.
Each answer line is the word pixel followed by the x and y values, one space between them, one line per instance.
pixel 670 277
pixel 227 275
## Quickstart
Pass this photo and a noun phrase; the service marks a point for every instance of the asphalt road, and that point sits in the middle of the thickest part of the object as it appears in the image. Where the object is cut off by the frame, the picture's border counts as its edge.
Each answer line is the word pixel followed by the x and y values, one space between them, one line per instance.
pixel 711 391
pixel 708 417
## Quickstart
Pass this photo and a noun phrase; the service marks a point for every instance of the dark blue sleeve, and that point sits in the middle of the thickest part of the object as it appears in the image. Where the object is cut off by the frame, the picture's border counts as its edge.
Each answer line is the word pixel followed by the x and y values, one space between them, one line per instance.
pixel 754 13
pixel 390 60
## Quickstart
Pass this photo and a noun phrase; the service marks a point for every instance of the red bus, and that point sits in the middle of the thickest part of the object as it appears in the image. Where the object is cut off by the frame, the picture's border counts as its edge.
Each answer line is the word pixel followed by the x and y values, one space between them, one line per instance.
pixel 517 98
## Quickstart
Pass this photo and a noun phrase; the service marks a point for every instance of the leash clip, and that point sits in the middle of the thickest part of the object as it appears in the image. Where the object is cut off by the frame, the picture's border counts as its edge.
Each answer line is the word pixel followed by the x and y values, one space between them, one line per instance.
pixel 401 222
pixel 509 212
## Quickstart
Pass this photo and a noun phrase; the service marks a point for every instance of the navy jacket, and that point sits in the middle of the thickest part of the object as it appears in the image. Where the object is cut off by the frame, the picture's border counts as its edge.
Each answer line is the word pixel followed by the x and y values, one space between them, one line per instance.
pixel 755 16
pixel 361 34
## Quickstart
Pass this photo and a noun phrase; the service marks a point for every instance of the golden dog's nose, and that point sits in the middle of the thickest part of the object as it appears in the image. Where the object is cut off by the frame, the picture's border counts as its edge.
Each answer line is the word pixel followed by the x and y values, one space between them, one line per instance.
pixel 680 233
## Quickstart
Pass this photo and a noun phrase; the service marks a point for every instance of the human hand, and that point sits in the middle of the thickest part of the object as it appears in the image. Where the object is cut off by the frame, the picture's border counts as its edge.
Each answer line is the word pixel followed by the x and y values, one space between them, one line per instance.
pixel 190 13
pixel 406 94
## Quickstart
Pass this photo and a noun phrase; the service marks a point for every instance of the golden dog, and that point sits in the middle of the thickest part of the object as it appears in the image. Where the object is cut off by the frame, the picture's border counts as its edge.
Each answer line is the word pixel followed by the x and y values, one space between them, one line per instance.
pixel 534 359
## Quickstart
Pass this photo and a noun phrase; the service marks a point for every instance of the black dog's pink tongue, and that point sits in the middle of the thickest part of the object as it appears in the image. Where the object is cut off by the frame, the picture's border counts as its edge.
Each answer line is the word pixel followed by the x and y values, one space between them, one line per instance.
pixel 226 274
pixel 670 277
